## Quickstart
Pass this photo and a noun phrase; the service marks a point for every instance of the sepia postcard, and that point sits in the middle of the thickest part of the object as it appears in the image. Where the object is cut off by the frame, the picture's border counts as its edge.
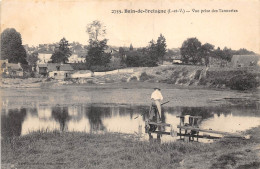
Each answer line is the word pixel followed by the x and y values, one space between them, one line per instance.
pixel 130 84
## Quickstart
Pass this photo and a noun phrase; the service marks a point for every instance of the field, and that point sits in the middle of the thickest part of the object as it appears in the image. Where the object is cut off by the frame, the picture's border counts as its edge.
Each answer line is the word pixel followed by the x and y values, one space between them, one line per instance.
pixel 114 150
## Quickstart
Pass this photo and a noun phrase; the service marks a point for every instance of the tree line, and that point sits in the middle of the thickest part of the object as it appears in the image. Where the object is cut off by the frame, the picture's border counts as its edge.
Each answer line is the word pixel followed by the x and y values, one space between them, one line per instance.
pixel 192 51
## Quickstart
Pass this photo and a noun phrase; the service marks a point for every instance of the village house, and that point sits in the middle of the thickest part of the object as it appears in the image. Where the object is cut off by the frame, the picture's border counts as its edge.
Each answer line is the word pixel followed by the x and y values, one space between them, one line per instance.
pixel 55 70
pixel 44 57
pixel 76 58
pixel 61 71
pixel 176 59
pixel 11 69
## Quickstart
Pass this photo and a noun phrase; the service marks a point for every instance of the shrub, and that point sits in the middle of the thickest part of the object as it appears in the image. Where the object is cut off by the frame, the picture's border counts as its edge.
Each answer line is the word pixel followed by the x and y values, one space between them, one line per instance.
pixel 90 82
pixel 144 77
pixel 124 79
pixel 243 82
pixel 185 73
pixel 192 82
pixel 134 78
pixel 169 81
pixel 183 81
pixel 107 80
pixel 203 81
pixel 175 74
pixel 197 74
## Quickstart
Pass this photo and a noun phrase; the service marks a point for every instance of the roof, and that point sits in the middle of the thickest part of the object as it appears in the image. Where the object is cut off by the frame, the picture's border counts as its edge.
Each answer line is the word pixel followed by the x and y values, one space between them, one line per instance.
pixel 66 67
pixel 42 65
pixel 14 66
pixel 54 67
pixel 62 67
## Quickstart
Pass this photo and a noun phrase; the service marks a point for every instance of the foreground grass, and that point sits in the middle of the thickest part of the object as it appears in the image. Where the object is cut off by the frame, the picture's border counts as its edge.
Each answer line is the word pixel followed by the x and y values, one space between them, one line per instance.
pixel 81 150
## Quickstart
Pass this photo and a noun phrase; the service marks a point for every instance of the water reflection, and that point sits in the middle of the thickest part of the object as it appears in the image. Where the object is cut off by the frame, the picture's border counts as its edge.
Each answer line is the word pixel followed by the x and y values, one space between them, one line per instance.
pixel 119 118
pixel 95 116
pixel 11 122
pixel 61 115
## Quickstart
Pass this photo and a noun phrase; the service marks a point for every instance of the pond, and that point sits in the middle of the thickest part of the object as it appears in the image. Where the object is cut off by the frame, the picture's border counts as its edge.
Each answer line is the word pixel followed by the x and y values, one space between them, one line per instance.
pixel 98 118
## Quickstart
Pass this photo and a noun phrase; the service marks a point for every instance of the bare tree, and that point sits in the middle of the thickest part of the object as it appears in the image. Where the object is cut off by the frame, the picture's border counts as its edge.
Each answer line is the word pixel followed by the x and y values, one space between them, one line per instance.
pixel 96 30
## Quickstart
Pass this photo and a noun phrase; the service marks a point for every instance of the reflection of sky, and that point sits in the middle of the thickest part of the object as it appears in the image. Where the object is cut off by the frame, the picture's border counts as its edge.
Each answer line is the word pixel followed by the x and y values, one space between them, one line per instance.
pixel 230 123
pixel 122 124
pixel 32 123
pixel 82 125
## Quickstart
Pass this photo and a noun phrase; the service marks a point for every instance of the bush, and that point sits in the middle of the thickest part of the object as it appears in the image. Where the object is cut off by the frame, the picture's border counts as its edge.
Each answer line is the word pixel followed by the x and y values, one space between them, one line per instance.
pixel 192 82
pixel 243 82
pixel 203 81
pixel 134 78
pixel 145 77
pixel 183 81
pixel 175 74
pixel 185 73
pixel 169 81
pixel 124 79
pixel 107 80
pixel 197 74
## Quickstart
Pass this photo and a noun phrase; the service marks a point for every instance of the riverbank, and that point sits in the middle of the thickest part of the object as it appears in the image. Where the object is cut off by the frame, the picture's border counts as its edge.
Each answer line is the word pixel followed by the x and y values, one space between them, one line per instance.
pixel 180 76
pixel 114 150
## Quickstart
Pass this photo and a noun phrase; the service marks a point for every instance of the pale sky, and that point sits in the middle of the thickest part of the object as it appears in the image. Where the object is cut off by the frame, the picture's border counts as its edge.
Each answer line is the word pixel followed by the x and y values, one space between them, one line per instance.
pixel 48 21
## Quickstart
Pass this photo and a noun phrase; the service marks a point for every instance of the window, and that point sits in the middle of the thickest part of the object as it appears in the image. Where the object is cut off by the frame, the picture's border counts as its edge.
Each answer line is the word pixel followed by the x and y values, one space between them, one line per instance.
pixel 55 74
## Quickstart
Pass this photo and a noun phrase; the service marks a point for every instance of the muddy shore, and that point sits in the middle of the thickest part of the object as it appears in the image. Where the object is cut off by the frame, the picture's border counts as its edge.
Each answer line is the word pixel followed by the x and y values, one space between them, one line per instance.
pixel 135 93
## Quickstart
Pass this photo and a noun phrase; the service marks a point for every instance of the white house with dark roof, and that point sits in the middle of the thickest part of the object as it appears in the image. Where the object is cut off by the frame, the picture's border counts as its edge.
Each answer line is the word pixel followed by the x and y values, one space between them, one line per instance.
pixel 61 71
pixel 55 70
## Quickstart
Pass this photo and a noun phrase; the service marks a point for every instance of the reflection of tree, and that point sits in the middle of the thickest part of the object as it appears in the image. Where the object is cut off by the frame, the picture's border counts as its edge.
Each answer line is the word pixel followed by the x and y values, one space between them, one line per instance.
pixel 33 111
pixel 197 111
pixel 95 115
pixel 61 115
pixel 11 124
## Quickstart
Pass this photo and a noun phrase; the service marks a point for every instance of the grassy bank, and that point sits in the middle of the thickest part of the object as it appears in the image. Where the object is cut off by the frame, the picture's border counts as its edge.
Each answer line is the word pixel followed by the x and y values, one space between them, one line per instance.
pixel 81 150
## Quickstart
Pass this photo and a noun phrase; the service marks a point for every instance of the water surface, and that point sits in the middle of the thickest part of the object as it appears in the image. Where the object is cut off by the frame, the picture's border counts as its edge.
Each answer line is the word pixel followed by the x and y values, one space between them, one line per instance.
pixel 100 118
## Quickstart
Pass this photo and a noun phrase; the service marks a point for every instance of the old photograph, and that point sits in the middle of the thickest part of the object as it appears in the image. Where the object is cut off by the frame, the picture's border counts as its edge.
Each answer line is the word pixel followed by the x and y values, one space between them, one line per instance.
pixel 127 84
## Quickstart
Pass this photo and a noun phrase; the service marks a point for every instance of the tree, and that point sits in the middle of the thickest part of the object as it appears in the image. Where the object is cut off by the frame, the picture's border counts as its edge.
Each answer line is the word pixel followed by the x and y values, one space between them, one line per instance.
pixel 32 59
pixel 11 46
pixel 121 51
pixel 206 51
pixel 152 53
pixel 96 30
pixel 224 54
pixel 190 51
pixel 133 59
pixel 227 54
pixel 63 53
pixel 131 47
pixel 96 55
pixel 96 50
pixel 161 47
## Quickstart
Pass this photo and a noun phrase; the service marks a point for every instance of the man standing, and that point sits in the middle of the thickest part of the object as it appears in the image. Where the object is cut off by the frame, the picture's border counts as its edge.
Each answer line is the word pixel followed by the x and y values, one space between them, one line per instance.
pixel 156 98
